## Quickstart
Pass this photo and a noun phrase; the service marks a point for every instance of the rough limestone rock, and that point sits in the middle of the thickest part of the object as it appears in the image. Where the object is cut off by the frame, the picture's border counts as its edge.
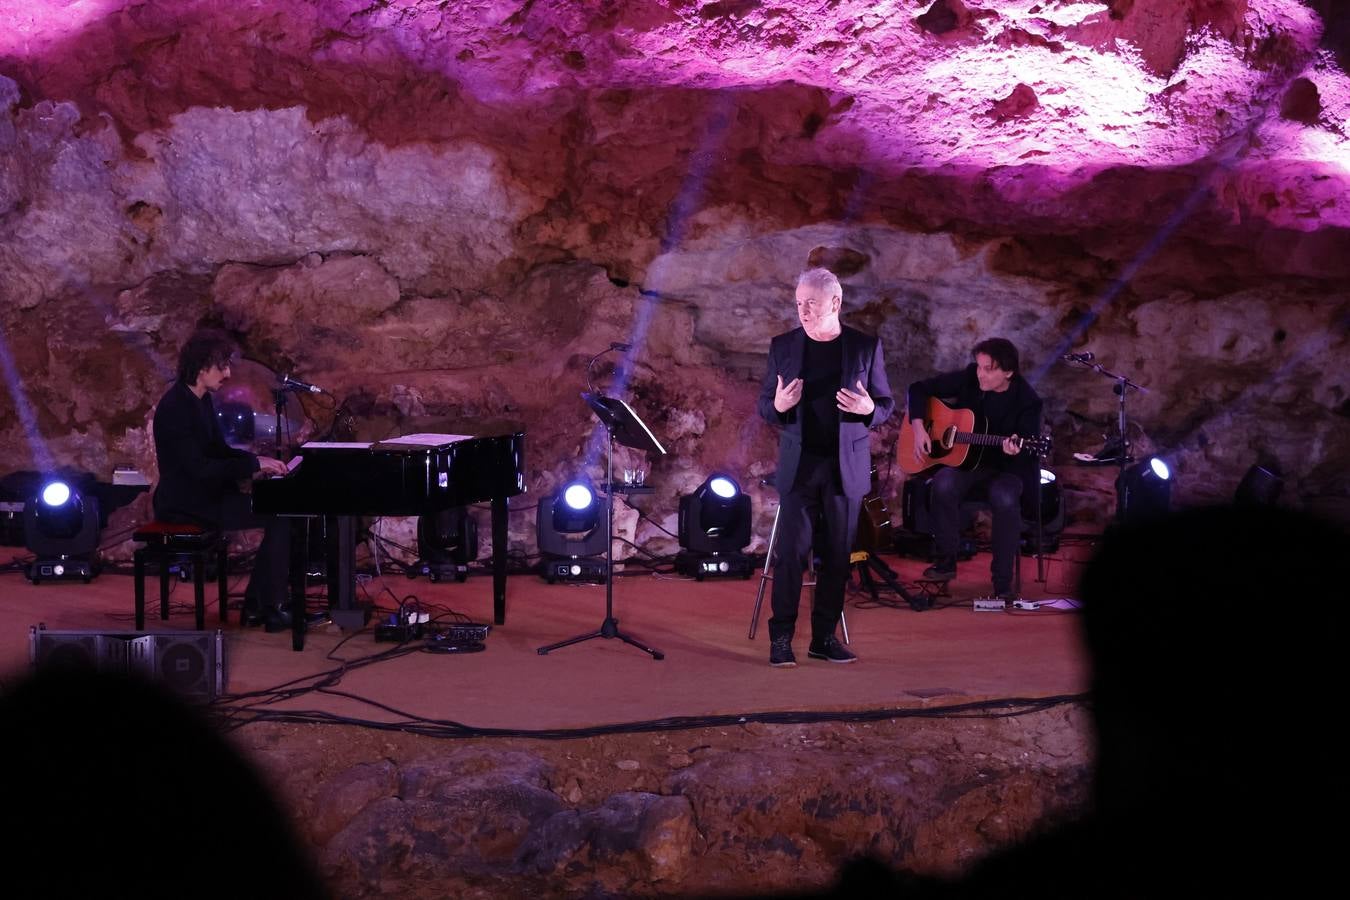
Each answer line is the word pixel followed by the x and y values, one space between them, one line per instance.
pixel 466 813
pixel 777 808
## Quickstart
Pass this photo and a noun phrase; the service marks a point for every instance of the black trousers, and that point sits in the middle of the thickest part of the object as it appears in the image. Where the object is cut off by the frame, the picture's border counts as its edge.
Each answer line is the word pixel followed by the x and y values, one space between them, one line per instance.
pixel 815 500
pixel 1003 492
pixel 267 585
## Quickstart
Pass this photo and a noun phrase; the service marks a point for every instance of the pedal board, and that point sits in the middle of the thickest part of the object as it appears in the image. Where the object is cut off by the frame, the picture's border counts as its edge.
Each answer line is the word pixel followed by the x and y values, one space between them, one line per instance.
pixel 990 604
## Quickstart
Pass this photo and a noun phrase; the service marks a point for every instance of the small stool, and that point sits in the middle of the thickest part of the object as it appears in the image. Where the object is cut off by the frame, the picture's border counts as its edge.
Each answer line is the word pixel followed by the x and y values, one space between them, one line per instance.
pixel 167 543
pixel 766 574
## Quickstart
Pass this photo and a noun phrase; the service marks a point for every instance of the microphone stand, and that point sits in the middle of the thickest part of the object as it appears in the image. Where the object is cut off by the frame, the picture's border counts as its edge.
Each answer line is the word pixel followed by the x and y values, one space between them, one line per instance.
pixel 623 427
pixel 1040 526
pixel 1123 385
pixel 279 406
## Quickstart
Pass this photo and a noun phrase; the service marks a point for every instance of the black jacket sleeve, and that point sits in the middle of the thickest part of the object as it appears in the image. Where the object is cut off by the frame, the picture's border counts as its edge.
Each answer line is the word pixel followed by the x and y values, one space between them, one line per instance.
pixel 879 388
pixel 769 387
pixel 180 447
pixel 946 384
pixel 1029 418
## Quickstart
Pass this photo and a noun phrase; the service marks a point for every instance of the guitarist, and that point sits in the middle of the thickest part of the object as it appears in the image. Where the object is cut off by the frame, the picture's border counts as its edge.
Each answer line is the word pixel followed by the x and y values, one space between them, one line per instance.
pixel 993 387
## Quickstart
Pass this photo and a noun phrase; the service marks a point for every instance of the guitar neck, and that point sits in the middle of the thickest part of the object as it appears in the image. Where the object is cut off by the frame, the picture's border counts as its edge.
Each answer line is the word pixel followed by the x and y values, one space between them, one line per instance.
pixel 980 440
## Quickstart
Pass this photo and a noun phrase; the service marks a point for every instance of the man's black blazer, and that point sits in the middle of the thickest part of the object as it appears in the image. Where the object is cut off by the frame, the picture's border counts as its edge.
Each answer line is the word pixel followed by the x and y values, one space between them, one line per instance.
pixel 196 467
pixel 862 361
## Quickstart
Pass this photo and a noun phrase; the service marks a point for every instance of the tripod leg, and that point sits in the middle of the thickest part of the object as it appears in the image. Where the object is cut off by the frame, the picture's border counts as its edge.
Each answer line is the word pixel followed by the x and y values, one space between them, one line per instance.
pixel 888 575
pixel 865 579
pixel 632 642
pixel 542 651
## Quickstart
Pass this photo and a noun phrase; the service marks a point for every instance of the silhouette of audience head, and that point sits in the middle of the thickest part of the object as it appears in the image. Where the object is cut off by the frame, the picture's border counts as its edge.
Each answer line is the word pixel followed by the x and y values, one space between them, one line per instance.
pixel 116 788
pixel 1215 639
pixel 1213 635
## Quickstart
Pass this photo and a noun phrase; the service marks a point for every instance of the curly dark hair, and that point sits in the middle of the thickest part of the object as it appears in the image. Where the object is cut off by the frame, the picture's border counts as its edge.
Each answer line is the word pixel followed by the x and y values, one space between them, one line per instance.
pixel 1001 351
pixel 206 348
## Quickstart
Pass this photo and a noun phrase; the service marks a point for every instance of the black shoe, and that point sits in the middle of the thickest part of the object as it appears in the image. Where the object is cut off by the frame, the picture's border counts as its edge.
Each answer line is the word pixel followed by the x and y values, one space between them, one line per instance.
pixel 780 653
pixel 942 570
pixel 831 650
pixel 279 619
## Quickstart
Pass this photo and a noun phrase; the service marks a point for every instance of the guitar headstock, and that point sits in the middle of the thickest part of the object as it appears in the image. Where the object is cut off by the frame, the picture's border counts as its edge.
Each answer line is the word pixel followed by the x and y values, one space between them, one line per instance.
pixel 1041 445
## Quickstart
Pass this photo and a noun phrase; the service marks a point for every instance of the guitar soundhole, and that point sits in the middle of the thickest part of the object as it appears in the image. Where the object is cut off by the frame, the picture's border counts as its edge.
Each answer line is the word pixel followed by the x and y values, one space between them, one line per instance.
pixel 948 438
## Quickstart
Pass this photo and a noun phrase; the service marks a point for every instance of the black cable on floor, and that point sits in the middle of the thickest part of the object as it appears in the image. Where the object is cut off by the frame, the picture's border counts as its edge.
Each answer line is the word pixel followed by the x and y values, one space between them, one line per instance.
pixel 440 728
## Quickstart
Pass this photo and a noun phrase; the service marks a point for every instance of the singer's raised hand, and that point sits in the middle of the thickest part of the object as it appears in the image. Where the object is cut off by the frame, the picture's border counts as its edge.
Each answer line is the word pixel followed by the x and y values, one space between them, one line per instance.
pixel 787 395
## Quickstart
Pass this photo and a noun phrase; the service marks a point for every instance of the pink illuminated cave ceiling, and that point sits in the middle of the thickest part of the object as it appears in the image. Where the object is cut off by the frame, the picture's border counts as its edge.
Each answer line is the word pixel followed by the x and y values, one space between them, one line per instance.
pixel 1026 100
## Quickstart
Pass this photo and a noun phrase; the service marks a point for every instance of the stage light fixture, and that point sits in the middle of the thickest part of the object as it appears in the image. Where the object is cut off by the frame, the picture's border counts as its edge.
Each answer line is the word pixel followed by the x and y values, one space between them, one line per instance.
pixel 1052 516
pixel 1259 487
pixel 61 529
pixel 447 541
pixel 569 534
pixel 1144 490
pixel 714 527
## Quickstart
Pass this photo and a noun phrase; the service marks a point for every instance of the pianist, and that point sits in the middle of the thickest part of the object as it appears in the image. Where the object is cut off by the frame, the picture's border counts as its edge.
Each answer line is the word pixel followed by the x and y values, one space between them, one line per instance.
pixel 199 474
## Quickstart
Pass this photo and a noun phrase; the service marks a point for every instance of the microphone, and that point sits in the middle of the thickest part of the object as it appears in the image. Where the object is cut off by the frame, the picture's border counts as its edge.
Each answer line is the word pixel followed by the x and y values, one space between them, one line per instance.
pixel 289 382
pixel 618 346
pixel 1078 357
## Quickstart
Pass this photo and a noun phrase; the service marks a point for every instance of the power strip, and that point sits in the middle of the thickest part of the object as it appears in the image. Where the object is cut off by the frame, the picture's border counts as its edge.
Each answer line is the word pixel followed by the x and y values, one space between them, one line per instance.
pixel 399 633
pixel 463 632
pixel 458 633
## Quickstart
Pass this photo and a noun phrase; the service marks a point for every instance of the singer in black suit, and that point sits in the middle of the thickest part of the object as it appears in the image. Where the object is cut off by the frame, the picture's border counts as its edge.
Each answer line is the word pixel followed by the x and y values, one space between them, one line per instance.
pixel 199 473
pixel 825 387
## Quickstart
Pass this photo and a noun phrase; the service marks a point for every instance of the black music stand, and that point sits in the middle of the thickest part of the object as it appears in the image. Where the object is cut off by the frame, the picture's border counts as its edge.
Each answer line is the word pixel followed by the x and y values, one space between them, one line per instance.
pixel 625 427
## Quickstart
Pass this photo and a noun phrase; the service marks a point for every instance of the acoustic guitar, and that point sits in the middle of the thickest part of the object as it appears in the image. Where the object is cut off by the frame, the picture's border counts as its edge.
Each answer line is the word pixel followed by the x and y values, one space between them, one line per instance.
pixel 874 521
pixel 960 438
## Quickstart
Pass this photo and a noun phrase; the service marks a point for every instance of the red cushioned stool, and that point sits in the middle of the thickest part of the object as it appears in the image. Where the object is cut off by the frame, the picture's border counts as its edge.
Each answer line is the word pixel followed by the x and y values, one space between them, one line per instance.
pixel 170 543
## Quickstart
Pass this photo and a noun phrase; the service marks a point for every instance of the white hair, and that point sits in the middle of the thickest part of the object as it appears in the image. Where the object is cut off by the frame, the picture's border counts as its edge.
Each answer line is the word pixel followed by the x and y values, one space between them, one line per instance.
pixel 821 280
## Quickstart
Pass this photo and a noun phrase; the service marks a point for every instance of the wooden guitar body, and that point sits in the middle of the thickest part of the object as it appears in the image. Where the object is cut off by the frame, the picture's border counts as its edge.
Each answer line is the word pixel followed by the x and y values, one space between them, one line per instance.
pixel 945 423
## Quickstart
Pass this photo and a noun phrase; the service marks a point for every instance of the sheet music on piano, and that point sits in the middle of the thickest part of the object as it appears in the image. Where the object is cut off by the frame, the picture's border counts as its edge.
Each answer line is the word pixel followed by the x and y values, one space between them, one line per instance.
pixel 421 439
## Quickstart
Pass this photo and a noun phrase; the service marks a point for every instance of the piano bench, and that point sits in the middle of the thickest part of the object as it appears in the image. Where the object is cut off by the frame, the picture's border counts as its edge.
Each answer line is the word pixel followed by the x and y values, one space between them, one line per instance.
pixel 166 544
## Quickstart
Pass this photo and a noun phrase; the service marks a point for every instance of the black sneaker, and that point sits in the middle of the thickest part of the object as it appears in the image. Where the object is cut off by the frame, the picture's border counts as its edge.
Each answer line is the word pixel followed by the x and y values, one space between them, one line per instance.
pixel 831 650
pixel 942 570
pixel 780 653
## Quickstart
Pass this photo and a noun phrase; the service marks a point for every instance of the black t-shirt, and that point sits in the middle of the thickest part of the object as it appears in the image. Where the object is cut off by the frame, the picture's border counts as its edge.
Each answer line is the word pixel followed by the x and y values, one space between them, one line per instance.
pixel 1003 411
pixel 822 369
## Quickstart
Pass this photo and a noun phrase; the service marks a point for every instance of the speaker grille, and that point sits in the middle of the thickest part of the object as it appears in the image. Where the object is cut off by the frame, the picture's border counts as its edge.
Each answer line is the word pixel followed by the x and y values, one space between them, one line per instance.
pixel 190 663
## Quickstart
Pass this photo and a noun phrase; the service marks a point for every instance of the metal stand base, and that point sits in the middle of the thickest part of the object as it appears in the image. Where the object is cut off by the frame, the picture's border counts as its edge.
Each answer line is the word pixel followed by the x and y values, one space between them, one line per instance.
pixel 869 569
pixel 608 629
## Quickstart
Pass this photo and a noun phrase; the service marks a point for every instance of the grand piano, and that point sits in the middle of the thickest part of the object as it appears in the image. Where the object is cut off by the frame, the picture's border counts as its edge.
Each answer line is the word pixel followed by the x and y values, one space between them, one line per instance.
pixel 411 475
